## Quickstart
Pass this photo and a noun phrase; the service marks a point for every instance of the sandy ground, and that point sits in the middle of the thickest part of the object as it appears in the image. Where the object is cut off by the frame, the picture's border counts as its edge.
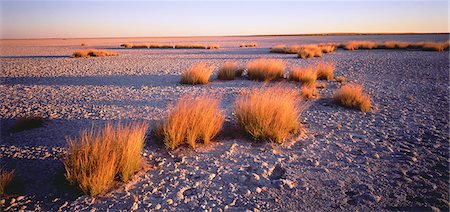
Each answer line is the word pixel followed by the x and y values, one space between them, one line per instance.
pixel 394 158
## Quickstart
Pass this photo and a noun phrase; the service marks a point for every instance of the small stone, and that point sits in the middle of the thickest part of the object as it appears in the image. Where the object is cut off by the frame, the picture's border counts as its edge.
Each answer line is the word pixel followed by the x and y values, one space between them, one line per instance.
pixel 135 206
pixel 376 156
pixel 20 198
pixel 169 201
pixel 211 176
pixel 255 178
pixel 158 206
pixel 258 190
pixel 12 201
pixel 2 202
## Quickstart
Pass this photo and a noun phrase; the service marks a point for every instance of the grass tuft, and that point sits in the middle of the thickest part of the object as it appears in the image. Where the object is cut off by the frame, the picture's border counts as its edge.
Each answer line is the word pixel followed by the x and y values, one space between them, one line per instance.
pixel 268 113
pixel 306 76
pixel 247 45
pixel 265 69
pixel 92 53
pixel 325 71
pixel 127 45
pixel 228 71
pixel 197 74
pixel 192 120
pixel 94 159
pixel 351 95
pixel 308 91
pixel 6 178
pixel 27 123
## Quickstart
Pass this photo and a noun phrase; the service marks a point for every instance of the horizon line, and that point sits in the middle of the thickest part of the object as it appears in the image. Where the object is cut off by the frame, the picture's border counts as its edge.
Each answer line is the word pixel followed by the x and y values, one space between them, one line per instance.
pixel 256 35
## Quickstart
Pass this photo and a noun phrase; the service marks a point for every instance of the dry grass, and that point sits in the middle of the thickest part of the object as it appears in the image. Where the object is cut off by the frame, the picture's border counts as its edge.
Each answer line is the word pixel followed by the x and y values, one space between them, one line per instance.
pixel 83 44
pixel 92 53
pixel 280 48
pixel 265 69
pixel 268 113
pixel 355 45
pixel 340 79
pixel 327 48
pixel 6 178
pixel 141 46
pixel 325 71
pixel 27 123
pixel 246 45
pixel 127 45
pixel 394 45
pixel 351 95
pixel 433 46
pixel 308 91
pixel 214 46
pixel 190 46
pixel 93 160
pixel 192 120
pixel 228 71
pixel 309 53
pixel 197 74
pixel 306 76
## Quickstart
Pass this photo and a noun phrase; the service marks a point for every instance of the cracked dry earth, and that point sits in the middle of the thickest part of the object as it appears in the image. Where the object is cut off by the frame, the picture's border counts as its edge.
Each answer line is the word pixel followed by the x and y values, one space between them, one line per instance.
pixel 393 158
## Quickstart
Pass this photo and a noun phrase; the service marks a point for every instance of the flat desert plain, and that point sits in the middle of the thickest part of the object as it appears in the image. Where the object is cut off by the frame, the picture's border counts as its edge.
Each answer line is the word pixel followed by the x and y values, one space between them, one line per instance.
pixel 394 157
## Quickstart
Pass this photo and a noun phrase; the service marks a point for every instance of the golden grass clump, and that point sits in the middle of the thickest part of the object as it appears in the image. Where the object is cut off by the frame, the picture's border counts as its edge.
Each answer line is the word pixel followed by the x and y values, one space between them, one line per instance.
pixel 228 71
pixel 355 45
pixel 434 46
pixel 192 120
pixel 92 53
pixel 306 76
pixel 327 48
pixel 6 178
pixel 27 123
pixel 82 44
pixel 325 71
pixel 265 69
pixel 198 73
pixel 247 45
pixel 280 48
pixel 268 113
pixel 190 46
pixel 127 45
pixel 141 46
pixel 309 53
pixel 351 95
pixel 214 46
pixel 97 157
pixel 308 91
pixel 394 45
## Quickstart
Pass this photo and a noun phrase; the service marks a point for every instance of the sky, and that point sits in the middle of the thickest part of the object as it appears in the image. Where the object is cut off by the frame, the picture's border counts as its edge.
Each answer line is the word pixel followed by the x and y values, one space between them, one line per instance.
pixel 86 19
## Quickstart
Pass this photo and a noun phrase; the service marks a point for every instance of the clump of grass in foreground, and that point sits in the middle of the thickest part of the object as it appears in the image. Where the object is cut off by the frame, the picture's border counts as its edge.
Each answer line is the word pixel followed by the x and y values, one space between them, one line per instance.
pixel 306 76
pixel 27 123
pixel 246 45
pixel 265 69
pixel 92 53
pixel 197 74
pixel 269 113
pixel 190 121
pixel 6 178
pixel 93 160
pixel 308 91
pixel 309 53
pixel 351 95
pixel 228 71
pixel 432 46
pixel 325 71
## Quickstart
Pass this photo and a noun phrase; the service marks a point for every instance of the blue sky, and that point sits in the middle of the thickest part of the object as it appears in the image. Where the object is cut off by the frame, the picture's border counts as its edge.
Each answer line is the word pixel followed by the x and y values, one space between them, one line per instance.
pixel 57 19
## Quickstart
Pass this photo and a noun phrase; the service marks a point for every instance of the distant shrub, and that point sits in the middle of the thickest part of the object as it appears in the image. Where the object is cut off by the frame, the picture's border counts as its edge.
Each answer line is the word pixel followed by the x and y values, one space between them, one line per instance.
pixel 280 48
pixel 214 46
pixel 190 46
pixel 355 45
pixel 265 69
pixel 191 120
pixel 27 123
pixel 228 71
pixel 141 46
pixel 6 178
pixel 307 75
pixel 127 45
pixel 394 45
pixel 308 91
pixel 83 44
pixel 351 95
pixel 93 160
pixel 92 53
pixel 197 74
pixel 325 71
pixel 433 46
pixel 268 113
pixel 309 53
pixel 327 48
pixel 246 45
